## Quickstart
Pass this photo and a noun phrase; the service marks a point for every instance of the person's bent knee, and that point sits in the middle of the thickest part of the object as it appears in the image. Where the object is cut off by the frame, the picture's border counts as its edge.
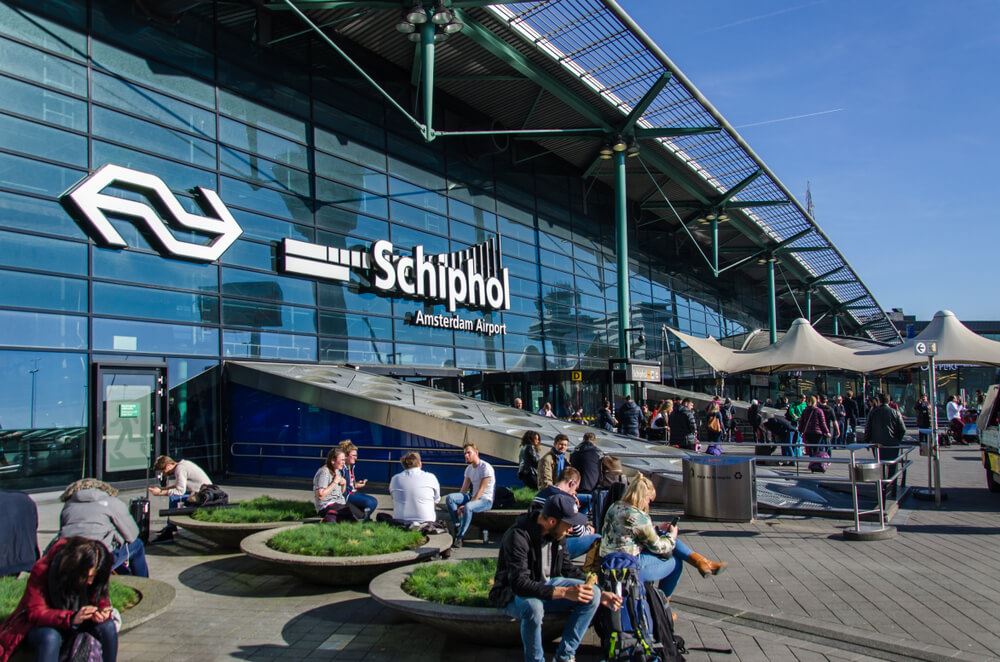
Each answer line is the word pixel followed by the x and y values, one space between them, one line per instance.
pixel 45 638
pixel 531 610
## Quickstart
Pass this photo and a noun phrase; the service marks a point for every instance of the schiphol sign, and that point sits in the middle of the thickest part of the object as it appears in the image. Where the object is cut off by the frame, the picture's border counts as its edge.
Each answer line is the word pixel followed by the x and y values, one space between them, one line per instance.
pixel 473 278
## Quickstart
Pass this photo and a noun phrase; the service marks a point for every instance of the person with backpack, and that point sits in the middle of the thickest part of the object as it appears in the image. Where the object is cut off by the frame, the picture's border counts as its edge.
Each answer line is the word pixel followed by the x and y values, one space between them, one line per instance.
pixel 66 598
pixel 552 463
pixel 527 459
pixel 684 426
pixel 629 529
pixel 534 576
pixel 580 538
pixel 586 458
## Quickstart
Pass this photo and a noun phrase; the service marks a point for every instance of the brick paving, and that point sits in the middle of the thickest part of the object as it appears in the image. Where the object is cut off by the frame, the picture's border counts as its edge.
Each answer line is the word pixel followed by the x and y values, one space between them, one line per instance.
pixel 933 584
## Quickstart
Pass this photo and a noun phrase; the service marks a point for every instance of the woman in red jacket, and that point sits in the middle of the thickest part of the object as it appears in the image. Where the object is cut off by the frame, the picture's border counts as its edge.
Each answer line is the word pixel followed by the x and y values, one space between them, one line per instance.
pixel 67 593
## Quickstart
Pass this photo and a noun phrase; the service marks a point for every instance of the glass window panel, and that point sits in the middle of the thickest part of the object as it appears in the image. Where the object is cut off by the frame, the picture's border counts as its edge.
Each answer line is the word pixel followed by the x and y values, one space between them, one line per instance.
pixel 257 345
pixel 29 252
pixel 179 177
pixel 266 172
pixel 153 138
pixel 427 334
pixel 251 254
pixel 60 388
pixel 268 316
pixel 468 234
pixel 354 350
pixel 523 287
pixel 518 249
pixel 260 116
pixel 129 97
pixel 555 277
pixel 514 342
pixel 405 238
pixel 45 69
pixel 269 201
pixel 425 355
pixel 521 323
pixel 472 215
pixel 28 26
pixel 249 139
pixel 257 226
pixel 33 176
pixel 154 338
pixel 328 192
pixel 266 286
pixel 350 223
pixel 418 218
pixel 594 303
pixel 521 268
pixel 18 211
pixel 417 196
pixel 514 211
pixel 134 267
pixel 129 301
pixel 477 359
pixel 347 144
pixel 524 305
pixel 514 230
pixel 350 298
pixel 43 104
pixel 21 329
pixel 156 74
pixel 38 291
pixel 355 324
pixel 351 173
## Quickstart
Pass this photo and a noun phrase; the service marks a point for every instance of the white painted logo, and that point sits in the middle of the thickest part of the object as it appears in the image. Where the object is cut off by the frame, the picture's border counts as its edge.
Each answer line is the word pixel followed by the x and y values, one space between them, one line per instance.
pixel 474 278
pixel 93 206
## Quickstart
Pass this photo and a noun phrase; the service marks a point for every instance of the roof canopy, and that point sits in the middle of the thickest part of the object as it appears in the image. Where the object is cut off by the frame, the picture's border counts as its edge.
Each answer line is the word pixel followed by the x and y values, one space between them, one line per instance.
pixel 804 348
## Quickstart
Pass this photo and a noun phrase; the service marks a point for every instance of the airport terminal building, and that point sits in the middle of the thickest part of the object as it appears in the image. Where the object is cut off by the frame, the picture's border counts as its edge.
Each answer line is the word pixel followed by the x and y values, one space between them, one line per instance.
pixel 490 199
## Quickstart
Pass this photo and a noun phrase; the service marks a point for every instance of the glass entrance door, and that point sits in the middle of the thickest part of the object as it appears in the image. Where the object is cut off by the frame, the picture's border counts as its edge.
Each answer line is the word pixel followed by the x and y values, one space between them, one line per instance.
pixel 129 421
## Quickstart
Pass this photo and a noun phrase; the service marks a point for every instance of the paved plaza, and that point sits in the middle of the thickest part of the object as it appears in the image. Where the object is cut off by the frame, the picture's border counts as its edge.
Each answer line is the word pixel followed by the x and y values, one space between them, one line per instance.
pixel 794 590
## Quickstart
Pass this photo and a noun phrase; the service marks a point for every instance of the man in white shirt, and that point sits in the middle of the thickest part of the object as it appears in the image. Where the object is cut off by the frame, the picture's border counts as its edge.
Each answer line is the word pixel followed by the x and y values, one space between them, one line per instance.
pixel 188 479
pixel 414 492
pixel 475 496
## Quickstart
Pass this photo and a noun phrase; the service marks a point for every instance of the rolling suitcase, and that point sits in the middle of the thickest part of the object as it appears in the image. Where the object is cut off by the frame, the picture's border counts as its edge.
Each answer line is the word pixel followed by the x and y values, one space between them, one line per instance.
pixel 139 509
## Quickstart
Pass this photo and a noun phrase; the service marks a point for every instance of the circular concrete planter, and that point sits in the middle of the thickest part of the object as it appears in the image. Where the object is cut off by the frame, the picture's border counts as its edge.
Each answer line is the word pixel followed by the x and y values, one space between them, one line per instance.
pixel 339 570
pixel 475 624
pixel 225 535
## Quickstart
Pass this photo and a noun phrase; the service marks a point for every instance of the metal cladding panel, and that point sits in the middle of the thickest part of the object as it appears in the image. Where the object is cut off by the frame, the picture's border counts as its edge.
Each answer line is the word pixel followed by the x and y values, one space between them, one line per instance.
pixel 439 415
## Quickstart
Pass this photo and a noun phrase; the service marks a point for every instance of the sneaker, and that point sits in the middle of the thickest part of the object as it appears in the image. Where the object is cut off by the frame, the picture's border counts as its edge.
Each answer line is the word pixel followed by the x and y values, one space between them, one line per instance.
pixel 456 543
pixel 166 534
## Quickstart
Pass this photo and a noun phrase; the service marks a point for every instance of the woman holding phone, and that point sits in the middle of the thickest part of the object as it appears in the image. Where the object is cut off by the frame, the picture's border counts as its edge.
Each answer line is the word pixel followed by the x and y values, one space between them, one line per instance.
pixel 628 528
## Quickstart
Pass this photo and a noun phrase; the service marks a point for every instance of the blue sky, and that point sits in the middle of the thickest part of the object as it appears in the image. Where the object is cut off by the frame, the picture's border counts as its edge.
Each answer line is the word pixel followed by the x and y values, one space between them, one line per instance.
pixel 901 155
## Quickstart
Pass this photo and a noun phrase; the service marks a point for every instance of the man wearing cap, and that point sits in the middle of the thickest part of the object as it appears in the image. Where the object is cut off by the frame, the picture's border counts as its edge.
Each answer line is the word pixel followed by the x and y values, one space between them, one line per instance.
pixel 534 576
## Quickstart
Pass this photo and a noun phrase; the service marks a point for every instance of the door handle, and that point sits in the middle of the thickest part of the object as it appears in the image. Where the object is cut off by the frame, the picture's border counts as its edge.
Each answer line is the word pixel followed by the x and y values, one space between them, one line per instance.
pixel 160 427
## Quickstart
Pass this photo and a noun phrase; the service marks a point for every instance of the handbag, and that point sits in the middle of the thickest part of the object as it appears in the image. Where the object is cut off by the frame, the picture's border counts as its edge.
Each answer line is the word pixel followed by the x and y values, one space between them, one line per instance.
pixel 85 648
pixel 713 424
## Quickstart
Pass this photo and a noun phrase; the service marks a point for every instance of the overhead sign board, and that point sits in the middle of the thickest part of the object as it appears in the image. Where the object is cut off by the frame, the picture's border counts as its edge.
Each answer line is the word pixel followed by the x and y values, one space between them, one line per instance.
pixel 925 348
pixel 637 372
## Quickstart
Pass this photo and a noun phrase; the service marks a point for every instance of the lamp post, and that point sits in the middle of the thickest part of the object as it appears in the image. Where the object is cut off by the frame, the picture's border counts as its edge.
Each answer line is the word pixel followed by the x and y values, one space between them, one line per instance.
pixel 34 373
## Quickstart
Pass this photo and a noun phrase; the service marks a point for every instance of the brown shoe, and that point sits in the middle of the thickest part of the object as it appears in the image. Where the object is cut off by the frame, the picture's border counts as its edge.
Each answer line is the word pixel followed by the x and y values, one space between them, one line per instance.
pixel 705 566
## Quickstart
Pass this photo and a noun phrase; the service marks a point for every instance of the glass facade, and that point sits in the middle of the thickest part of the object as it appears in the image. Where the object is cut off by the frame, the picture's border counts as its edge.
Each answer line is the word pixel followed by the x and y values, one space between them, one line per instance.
pixel 294 153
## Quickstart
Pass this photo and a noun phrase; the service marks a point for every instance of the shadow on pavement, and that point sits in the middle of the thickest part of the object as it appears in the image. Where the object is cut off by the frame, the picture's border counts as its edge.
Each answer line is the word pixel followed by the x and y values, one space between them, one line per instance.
pixel 961 499
pixel 241 576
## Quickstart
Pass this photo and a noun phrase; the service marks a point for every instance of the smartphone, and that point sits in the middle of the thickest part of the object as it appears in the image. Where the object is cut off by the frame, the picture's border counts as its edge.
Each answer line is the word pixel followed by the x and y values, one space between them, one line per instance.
pixel 674 520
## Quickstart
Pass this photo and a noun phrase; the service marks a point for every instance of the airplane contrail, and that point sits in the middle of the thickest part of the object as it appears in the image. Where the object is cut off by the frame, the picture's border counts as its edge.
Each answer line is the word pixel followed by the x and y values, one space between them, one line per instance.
pixel 786 119
pixel 761 17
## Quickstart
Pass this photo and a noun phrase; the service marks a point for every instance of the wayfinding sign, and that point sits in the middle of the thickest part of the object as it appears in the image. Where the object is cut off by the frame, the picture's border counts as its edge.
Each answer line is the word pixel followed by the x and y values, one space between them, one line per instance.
pixel 925 348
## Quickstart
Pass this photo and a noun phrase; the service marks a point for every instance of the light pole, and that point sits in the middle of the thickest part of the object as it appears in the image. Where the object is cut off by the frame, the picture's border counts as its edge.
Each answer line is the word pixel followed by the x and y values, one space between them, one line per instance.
pixel 34 373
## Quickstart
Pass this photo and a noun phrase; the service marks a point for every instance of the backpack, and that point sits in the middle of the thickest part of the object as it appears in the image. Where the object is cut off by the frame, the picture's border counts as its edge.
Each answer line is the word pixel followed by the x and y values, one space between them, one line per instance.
pixel 604 497
pixel 626 634
pixel 672 646
pixel 86 648
pixel 209 495
pixel 503 498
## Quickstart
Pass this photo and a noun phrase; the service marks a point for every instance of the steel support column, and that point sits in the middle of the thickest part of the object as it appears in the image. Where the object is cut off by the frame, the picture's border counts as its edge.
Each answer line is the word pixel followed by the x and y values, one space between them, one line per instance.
pixel 427 76
pixel 621 246
pixel 836 324
pixel 809 304
pixel 715 247
pixel 772 303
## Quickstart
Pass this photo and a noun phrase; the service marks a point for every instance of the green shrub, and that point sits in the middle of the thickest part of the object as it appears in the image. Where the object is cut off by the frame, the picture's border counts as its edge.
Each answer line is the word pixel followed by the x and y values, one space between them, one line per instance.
pixel 254 511
pixel 346 539
pixel 466 583
pixel 523 496
pixel 12 588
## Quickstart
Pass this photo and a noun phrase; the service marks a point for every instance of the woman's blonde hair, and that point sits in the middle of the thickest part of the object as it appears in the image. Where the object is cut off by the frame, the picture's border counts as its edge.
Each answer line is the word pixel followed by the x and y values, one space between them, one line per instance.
pixel 639 492
pixel 812 401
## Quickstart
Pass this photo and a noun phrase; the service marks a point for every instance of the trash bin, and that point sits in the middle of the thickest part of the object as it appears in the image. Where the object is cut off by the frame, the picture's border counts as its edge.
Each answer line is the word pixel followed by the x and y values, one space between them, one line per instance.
pixel 720 488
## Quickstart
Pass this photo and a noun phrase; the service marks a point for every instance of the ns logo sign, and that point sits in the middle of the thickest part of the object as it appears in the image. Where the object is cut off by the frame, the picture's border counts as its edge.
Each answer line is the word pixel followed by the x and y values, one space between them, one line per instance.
pixel 93 207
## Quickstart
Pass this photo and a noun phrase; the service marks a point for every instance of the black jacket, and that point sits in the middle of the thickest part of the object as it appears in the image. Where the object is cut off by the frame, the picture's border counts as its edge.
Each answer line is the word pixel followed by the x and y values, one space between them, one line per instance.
pixel 519 568
pixel 779 427
pixel 923 414
pixel 18 533
pixel 753 415
pixel 606 420
pixel 831 417
pixel 683 426
pixel 629 418
pixel 586 459
pixel 885 427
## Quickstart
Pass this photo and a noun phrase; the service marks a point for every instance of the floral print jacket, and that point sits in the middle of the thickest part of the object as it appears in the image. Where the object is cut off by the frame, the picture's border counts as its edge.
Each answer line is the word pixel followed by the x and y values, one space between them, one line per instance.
pixel 630 530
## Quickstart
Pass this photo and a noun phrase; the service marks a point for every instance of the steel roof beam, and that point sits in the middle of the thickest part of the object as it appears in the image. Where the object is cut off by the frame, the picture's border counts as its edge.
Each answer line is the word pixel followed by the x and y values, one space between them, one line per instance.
pixel 674 131
pixel 827 283
pixel 382 4
pixel 647 98
pixel 739 186
pixel 654 204
pixel 826 274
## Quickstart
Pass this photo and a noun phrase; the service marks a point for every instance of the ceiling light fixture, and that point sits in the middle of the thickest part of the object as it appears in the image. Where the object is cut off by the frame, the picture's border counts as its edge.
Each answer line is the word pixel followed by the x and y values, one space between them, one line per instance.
pixel 442 15
pixel 416 14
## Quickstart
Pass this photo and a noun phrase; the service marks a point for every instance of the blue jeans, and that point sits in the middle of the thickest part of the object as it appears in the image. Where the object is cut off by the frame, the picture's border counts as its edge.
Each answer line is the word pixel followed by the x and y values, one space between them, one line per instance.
pixel 531 611
pixel 456 499
pixel 789 451
pixel 665 571
pixel 135 553
pixel 584 500
pixel 578 546
pixel 47 642
pixel 365 502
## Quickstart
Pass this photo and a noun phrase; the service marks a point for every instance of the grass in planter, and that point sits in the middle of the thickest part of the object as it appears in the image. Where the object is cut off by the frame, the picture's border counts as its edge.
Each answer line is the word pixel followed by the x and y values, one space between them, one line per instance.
pixel 12 588
pixel 523 496
pixel 254 511
pixel 346 539
pixel 466 583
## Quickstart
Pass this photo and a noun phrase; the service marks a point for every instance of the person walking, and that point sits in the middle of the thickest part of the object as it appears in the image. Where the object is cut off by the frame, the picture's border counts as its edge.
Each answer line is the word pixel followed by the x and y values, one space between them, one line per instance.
pixel 840 414
pixel 885 429
pixel 831 423
pixel 527 459
pixel 813 427
pixel 728 413
pixel 756 420
pixel 629 417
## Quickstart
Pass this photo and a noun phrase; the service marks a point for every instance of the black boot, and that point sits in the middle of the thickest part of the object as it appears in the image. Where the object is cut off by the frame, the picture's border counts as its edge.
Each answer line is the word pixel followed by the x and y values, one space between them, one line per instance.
pixel 166 534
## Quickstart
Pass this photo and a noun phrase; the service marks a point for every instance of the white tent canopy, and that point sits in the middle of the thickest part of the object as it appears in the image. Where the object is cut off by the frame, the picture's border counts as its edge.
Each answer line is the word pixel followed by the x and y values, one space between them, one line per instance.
pixel 804 348
pixel 955 344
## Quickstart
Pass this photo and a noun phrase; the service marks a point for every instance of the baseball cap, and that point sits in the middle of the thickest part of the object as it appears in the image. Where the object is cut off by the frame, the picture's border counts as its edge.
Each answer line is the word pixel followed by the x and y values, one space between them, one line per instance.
pixel 563 507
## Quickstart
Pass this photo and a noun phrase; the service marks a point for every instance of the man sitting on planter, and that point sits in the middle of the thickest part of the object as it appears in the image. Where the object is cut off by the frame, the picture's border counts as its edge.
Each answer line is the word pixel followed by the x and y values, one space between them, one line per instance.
pixel 476 495
pixel 535 576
